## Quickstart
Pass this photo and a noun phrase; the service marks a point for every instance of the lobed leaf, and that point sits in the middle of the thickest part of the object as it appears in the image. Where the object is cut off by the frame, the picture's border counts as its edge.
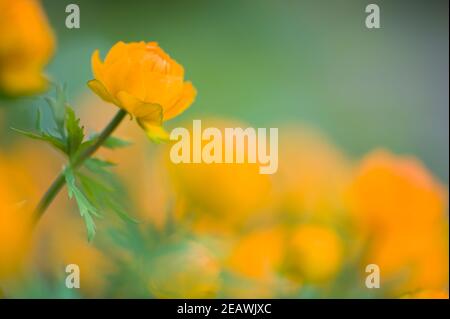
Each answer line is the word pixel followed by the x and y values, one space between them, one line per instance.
pixel 52 140
pixel 103 195
pixel 75 133
pixel 86 208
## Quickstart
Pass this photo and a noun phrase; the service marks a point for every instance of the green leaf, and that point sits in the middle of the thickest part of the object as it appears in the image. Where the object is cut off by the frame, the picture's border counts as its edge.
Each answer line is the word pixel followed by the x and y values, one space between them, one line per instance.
pixel 120 211
pixel 53 140
pixel 95 164
pixel 101 168
pixel 75 132
pixel 86 208
pixel 68 134
pixel 113 142
pixel 104 196
pixel 85 145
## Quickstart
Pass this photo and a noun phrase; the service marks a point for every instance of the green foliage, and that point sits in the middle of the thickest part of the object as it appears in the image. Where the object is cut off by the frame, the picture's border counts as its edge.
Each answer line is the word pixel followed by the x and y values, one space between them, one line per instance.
pixel 66 135
pixel 103 188
pixel 75 133
pixel 93 185
pixel 43 136
pixel 115 142
pixel 87 209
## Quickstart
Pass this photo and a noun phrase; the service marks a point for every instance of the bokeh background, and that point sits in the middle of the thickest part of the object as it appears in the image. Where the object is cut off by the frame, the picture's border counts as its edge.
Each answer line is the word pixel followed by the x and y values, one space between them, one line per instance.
pixel 349 103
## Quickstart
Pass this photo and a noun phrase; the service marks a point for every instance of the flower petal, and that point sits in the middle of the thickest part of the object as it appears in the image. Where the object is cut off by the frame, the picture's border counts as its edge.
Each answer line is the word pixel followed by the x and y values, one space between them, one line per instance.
pixel 22 81
pixel 156 133
pixel 98 88
pixel 97 65
pixel 116 52
pixel 148 113
pixel 187 97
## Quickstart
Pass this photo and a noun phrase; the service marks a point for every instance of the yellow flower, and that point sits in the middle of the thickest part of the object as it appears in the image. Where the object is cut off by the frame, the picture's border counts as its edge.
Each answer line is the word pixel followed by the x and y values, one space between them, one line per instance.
pixel 314 254
pixel 185 270
pixel 145 81
pixel 400 208
pixel 26 45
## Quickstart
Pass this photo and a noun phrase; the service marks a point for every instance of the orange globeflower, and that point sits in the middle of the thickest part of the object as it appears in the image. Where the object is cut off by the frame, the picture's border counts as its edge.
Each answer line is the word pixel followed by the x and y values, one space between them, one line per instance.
pixel 312 176
pixel 145 81
pixel 220 197
pixel 258 255
pixel 315 253
pixel 254 262
pixel 26 45
pixel 400 209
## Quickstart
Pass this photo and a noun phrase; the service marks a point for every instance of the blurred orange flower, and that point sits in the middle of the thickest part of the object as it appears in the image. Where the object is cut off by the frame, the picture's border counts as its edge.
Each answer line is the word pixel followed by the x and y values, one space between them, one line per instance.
pixel 314 254
pixel 145 81
pixel 400 209
pixel 258 255
pixel 219 198
pixel 254 262
pixel 312 176
pixel 26 45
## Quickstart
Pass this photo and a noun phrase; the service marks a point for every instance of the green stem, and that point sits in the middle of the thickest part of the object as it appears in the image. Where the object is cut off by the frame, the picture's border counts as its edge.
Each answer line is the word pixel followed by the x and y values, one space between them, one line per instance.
pixel 59 182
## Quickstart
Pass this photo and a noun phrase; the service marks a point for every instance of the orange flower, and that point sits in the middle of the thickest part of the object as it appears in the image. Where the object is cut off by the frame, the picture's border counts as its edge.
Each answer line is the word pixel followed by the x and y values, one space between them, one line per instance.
pixel 254 262
pixel 258 255
pixel 315 253
pixel 312 176
pixel 26 45
pixel 391 191
pixel 220 197
pixel 145 81
pixel 400 208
